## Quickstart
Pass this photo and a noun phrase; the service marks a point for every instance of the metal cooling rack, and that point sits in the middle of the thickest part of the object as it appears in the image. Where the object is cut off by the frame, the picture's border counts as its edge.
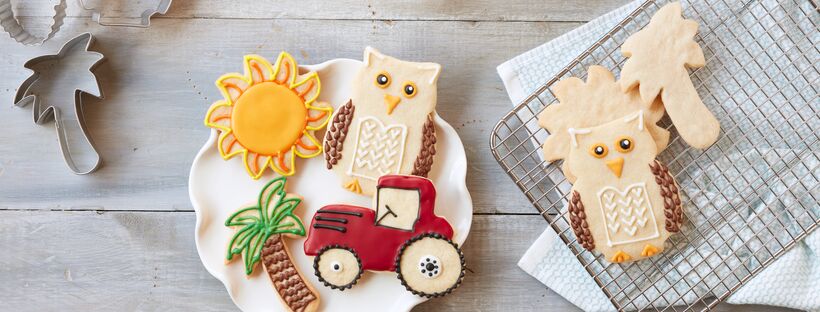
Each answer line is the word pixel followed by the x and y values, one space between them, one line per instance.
pixel 749 197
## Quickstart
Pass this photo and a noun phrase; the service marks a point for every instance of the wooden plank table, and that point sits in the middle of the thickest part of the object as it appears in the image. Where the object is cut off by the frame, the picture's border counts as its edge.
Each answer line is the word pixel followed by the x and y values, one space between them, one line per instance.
pixel 122 238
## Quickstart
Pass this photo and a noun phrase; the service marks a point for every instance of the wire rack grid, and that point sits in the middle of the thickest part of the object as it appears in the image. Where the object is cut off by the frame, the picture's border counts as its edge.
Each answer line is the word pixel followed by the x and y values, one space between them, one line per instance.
pixel 749 197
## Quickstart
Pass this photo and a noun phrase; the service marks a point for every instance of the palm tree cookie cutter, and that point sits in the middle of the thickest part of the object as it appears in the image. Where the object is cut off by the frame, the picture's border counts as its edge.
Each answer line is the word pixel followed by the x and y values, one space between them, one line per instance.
pixel 260 234
pixel 16 31
pixel 72 136
pixel 145 21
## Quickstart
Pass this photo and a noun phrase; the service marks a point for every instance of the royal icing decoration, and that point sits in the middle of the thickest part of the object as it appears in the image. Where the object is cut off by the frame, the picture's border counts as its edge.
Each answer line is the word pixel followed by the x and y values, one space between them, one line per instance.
pixel 430 266
pixel 638 116
pixel 379 150
pixel 259 236
pixel 407 237
pixel 573 135
pixel 627 214
pixel 269 115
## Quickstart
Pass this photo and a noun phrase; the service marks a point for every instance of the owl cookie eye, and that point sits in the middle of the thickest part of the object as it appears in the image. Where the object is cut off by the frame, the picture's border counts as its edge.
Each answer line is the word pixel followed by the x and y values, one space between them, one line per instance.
pixel 409 89
pixel 383 80
pixel 624 145
pixel 598 150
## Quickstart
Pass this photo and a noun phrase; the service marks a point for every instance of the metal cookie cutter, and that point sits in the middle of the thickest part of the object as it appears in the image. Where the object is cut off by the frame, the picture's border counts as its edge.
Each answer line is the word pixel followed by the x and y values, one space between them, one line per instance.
pixel 13 27
pixel 97 16
pixel 71 70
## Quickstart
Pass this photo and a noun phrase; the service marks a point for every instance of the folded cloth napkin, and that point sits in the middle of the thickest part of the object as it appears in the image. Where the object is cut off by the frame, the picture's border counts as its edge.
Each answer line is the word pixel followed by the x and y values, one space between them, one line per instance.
pixel 793 280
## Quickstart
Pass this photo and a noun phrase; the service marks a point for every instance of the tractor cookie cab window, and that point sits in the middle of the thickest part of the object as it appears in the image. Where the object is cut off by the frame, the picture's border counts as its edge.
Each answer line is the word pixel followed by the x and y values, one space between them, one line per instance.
pixel 397 208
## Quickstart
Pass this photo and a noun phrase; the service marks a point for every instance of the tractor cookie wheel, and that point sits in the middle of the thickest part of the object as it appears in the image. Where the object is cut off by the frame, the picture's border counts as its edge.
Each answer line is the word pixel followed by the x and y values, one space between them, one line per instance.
pixel 430 265
pixel 338 267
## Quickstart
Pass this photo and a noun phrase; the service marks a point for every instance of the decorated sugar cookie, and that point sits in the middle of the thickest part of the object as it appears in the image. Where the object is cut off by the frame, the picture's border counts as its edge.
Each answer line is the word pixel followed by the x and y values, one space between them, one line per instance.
pixel 269 115
pixel 388 125
pixel 403 235
pixel 260 235
pixel 625 203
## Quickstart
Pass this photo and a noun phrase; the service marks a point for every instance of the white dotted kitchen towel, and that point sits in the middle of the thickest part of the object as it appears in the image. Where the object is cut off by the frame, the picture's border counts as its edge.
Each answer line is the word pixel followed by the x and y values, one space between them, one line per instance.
pixel 792 281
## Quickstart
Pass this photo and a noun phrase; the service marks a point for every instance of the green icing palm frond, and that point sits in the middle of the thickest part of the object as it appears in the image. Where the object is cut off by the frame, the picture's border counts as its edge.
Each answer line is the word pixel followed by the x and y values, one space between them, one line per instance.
pixel 272 214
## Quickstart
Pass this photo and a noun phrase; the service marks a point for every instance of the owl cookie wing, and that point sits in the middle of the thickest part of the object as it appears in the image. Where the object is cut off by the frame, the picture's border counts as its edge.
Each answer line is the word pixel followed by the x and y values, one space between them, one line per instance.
pixel 672 208
pixel 336 134
pixel 423 163
pixel 578 221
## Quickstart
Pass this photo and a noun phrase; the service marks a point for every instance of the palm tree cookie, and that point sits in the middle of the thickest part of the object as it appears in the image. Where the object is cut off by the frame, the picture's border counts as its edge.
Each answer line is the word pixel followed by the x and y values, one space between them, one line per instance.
pixel 260 232
pixel 658 58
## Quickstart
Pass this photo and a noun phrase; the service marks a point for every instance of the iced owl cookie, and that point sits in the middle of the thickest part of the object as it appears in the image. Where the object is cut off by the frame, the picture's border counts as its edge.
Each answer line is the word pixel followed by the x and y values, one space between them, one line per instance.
pixel 388 126
pixel 608 144
pixel 625 203
pixel 402 234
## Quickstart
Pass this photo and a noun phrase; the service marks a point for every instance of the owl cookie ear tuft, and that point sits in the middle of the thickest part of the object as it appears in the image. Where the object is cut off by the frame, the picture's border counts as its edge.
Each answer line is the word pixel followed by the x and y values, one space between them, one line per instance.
pixel 637 118
pixel 369 54
pixel 432 69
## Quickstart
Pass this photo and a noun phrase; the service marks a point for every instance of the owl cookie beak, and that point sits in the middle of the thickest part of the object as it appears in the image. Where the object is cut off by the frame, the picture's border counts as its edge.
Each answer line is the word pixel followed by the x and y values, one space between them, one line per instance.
pixel 392 102
pixel 616 165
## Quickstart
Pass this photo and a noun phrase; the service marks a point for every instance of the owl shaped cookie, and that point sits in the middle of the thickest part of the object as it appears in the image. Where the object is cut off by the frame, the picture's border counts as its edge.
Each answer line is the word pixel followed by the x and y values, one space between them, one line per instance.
pixel 387 126
pixel 608 140
pixel 624 202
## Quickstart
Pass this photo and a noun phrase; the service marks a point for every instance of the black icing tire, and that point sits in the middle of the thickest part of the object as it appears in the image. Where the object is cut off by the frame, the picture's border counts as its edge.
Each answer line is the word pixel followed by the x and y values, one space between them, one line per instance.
pixel 338 267
pixel 430 265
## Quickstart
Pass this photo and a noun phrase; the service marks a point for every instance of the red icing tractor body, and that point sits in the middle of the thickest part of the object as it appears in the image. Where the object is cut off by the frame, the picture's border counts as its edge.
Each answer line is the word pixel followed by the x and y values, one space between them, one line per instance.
pixel 401 234
pixel 377 245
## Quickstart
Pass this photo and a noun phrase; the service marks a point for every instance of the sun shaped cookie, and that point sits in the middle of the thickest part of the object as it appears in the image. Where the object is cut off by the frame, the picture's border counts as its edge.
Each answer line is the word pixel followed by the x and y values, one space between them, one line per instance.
pixel 269 115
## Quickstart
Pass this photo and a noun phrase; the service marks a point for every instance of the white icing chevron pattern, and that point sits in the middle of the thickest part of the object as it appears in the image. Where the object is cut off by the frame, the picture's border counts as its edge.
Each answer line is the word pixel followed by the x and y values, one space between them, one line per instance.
pixel 627 214
pixel 614 227
pixel 379 149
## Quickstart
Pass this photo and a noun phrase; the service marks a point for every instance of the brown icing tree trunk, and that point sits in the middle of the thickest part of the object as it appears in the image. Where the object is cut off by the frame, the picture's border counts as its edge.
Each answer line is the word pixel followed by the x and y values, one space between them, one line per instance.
pixel 287 281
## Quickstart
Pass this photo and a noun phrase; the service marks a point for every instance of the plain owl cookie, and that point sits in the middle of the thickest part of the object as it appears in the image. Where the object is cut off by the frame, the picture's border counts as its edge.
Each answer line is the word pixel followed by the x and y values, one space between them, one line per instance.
pixel 387 126
pixel 401 234
pixel 586 104
pixel 658 58
pixel 624 203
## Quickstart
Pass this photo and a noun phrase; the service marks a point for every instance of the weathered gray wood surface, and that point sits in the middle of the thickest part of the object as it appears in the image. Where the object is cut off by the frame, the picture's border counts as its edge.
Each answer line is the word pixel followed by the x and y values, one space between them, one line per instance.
pixel 122 239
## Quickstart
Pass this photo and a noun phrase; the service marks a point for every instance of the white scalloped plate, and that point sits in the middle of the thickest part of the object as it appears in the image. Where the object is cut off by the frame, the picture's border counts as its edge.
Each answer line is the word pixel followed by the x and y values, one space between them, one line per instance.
pixel 218 188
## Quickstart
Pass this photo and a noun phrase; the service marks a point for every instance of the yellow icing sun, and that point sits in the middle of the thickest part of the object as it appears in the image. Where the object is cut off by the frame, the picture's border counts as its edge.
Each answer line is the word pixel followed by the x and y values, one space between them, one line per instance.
pixel 269 114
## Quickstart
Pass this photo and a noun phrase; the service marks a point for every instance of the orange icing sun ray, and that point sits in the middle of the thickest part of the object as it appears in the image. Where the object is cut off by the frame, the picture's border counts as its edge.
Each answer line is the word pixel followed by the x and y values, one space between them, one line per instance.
pixel 219 116
pixel 257 69
pixel 283 162
pixel 307 146
pixel 269 115
pixel 318 115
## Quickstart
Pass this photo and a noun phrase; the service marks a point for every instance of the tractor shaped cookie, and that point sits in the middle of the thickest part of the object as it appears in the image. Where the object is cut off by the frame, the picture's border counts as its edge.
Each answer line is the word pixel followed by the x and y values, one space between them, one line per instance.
pixel 403 234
